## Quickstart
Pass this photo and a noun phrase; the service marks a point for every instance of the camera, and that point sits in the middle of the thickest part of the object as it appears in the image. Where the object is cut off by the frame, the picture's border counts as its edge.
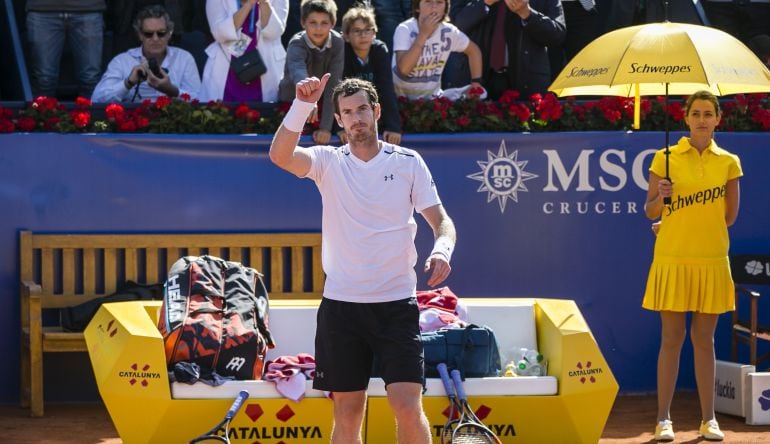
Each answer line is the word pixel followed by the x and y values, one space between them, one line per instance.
pixel 152 62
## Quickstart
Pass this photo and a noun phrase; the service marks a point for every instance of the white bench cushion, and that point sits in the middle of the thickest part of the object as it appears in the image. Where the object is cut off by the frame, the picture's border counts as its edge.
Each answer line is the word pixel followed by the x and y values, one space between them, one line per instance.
pixel 519 386
pixel 293 328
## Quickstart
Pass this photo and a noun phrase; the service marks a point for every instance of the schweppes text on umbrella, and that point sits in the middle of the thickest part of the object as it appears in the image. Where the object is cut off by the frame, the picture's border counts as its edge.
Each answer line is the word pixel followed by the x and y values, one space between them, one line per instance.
pixel 587 72
pixel 644 68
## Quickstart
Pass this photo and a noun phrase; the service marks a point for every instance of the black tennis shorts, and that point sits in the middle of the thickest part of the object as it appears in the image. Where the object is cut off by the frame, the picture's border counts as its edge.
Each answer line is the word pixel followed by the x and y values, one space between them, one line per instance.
pixel 349 334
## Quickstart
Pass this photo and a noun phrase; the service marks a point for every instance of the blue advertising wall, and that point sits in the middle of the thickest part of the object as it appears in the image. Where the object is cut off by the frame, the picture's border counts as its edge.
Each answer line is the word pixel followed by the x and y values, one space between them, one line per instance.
pixel 556 215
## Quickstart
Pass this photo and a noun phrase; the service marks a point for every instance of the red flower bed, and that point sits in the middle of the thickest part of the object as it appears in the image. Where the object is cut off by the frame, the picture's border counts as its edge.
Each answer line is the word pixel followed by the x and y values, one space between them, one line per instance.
pixel 538 113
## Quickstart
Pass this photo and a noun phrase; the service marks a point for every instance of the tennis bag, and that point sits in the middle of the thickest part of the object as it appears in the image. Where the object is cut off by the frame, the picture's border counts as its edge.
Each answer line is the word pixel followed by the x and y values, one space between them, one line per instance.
pixel 472 350
pixel 215 314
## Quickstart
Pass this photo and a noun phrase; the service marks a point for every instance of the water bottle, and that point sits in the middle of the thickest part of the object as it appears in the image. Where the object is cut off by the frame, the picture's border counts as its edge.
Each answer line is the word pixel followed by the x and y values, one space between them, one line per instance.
pixel 527 362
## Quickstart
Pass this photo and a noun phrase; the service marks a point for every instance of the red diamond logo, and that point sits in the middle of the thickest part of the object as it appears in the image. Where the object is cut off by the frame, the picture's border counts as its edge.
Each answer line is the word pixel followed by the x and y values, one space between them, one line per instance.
pixel 146 367
pixel 132 381
pixel 583 380
pixel 254 411
pixel 109 326
pixel 446 411
pixel 483 411
pixel 144 383
pixel 113 332
pixel 285 414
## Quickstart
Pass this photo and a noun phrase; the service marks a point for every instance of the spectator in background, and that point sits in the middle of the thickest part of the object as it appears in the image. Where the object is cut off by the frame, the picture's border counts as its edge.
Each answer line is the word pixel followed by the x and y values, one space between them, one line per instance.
pixel 582 21
pixel 312 53
pixel 760 44
pixel 514 36
pixel 253 25
pixel 623 13
pixel 51 24
pixel 129 77
pixel 121 18
pixel 191 30
pixel 387 15
pixel 367 58
pixel 743 20
pixel 421 47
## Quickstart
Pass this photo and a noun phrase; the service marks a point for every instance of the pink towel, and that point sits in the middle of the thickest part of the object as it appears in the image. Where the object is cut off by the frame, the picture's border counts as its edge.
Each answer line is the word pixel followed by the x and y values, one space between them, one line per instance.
pixel 290 374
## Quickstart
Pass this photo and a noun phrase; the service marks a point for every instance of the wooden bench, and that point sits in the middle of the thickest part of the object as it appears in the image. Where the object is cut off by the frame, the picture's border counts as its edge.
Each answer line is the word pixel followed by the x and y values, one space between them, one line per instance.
pixel 63 270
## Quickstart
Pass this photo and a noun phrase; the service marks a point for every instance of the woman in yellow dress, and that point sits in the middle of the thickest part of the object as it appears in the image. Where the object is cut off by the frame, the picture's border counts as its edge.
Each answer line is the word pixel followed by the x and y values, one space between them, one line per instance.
pixel 690 271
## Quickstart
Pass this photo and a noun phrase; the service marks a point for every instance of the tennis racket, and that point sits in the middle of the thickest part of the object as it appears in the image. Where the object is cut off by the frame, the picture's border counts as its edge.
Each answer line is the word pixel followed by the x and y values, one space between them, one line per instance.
pixel 470 429
pixel 224 424
pixel 454 405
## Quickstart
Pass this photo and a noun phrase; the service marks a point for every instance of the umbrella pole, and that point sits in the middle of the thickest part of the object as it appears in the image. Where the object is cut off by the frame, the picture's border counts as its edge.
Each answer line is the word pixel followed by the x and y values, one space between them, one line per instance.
pixel 666 200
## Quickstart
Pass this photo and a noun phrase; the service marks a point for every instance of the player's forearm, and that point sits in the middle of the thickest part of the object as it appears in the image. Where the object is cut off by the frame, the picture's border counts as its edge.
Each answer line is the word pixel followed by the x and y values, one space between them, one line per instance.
pixel 284 145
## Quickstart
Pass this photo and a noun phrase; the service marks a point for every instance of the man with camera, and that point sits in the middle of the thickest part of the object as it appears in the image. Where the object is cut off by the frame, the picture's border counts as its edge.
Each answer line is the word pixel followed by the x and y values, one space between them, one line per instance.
pixel 151 70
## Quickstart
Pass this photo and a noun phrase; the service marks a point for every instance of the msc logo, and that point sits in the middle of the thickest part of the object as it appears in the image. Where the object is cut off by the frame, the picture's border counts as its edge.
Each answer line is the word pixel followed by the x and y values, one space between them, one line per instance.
pixel 502 176
pixel 756 268
pixel 235 363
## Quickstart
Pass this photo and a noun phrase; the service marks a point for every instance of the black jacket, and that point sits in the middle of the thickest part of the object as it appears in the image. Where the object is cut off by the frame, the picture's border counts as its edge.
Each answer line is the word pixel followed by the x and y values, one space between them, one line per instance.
pixel 529 68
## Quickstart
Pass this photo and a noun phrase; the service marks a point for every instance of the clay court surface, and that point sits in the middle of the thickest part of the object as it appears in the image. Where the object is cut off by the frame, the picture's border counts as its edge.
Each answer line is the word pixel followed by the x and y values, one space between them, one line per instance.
pixel 631 421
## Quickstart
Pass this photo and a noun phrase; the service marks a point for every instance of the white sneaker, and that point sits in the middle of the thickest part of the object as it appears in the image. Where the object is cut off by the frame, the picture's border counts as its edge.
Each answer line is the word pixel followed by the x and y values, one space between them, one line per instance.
pixel 709 430
pixel 664 431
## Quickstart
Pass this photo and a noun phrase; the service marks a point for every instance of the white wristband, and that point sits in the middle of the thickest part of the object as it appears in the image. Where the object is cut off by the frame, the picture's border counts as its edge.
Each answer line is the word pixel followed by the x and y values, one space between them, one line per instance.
pixel 297 115
pixel 443 246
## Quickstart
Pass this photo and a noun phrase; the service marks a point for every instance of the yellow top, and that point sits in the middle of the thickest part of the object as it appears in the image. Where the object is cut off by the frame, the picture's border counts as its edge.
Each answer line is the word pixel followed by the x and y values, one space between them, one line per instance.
pixel 690 269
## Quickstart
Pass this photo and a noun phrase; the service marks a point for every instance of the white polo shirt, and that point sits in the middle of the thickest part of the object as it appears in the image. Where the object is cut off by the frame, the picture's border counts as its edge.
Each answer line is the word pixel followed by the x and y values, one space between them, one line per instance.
pixel 368 225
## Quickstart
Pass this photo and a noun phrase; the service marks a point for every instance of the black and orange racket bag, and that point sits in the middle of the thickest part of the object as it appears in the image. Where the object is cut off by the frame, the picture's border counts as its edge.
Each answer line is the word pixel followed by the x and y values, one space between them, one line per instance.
pixel 215 314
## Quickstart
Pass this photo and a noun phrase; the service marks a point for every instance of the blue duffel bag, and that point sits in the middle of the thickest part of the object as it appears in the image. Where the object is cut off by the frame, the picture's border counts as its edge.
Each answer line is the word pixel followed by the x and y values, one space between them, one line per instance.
pixel 472 350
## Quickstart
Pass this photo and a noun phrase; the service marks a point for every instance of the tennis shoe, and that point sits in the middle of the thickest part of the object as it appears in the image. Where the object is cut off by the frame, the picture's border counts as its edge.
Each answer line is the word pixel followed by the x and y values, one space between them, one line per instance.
pixel 709 430
pixel 664 431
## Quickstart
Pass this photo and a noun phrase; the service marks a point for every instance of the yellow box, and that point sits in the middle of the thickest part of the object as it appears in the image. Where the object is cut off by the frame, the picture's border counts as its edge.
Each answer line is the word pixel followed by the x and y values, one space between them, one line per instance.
pixel 577 414
pixel 127 356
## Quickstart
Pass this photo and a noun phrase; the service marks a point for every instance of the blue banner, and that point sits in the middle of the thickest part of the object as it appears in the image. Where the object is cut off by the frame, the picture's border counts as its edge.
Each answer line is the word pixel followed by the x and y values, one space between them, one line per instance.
pixel 553 215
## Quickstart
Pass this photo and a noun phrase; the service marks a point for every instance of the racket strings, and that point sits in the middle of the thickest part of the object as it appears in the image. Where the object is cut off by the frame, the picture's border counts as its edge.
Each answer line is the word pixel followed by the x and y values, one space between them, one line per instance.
pixel 472 434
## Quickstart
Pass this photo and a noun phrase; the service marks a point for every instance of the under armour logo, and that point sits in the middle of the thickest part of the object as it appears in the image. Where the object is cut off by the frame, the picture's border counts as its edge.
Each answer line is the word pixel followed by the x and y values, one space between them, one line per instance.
pixel 319 375
pixel 235 364
pixel 388 178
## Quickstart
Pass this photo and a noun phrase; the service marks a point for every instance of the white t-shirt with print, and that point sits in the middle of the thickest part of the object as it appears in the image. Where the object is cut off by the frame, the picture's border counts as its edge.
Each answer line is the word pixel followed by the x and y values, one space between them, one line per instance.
pixel 425 78
pixel 368 224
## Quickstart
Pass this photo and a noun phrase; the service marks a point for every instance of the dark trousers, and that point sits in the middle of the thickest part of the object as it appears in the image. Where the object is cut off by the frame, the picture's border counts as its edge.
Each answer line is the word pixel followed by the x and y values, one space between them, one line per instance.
pixel 497 83
pixel 742 20
pixel 582 28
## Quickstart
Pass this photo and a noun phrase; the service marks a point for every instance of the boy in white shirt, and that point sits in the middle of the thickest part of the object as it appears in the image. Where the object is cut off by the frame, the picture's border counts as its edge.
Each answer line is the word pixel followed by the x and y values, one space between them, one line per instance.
pixel 422 45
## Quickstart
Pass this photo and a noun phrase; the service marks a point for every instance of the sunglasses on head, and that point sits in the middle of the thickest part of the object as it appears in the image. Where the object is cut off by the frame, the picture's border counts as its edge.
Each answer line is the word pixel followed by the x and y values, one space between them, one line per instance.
pixel 149 34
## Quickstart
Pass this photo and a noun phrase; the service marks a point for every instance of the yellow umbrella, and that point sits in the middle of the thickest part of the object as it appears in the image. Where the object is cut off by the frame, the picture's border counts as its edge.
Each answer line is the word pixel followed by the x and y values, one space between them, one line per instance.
pixel 647 59
pixel 661 59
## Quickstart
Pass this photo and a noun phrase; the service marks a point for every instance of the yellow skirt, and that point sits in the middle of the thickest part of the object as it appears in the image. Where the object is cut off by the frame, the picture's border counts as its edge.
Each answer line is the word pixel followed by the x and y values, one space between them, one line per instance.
pixel 690 284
